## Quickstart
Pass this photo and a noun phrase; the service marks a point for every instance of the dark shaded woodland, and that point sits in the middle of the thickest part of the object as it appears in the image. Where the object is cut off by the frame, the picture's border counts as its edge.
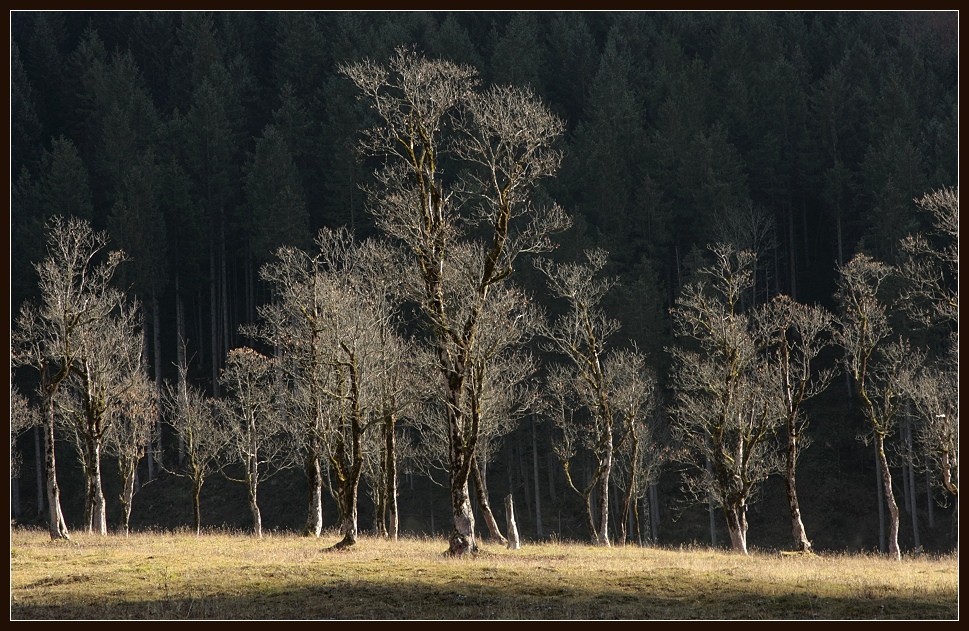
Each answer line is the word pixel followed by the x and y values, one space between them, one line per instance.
pixel 202 142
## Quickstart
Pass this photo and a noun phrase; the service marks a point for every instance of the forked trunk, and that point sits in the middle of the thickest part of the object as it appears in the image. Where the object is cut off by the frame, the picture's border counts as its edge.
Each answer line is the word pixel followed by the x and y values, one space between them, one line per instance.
pixel 127 494
pixel 481 492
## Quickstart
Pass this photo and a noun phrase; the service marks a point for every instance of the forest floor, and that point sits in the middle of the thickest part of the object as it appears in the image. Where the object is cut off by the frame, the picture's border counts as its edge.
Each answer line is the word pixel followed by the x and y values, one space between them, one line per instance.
pixel 233 575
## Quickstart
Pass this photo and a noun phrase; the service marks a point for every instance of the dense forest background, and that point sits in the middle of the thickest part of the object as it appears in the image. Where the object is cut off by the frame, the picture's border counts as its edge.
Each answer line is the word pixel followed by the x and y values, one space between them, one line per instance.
pixel 809 133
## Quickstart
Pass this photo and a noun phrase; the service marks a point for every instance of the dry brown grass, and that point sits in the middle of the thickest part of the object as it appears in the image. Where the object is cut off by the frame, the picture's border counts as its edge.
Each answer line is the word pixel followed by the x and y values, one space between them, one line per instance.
pixel 283 577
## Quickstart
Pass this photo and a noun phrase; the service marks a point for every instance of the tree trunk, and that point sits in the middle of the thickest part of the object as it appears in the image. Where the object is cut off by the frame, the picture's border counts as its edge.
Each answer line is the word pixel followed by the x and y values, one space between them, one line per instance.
pixel 538 491
pixel 603 536
pixel 481 492
pixel 128 493
pixel 348 509
pixel 94 511
pixel 156 338
pixel 882 544
pixel 909 471
pixel 801 543
pixel 56 524
pixel 886 477
pixel 654 512
pixel 711 509
pixel 254 504
pixel 737 526
pixel 630 492
pixel 461 542
pixel 39 457
pixel 513 541
pixel 314 479
pixel 390 473
pixel 182 364
pixel 197 482
pixel 214 319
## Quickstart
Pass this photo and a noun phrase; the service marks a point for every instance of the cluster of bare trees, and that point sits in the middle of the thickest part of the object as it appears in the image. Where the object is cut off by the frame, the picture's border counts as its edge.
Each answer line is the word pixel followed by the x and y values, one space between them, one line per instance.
pixel 742 371
pixel 336 379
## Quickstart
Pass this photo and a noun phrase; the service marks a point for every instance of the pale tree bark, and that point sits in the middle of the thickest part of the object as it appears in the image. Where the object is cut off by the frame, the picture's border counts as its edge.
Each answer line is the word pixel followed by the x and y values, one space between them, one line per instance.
pixel 501 141
pixel 481 492
pixel 513 542
pixel 75 297
pixel 879 369
pixel 726 408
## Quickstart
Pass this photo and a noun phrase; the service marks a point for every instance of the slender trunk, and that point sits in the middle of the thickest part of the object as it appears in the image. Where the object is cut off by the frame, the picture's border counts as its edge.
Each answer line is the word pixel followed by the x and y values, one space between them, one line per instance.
pixel 182 364
pixel 254 503
pixel 523 471
pixel 909 472
pixel 653 512
pixel 214 320
pixel 538 491
pixel 128 492
pixel 481 492
pixel 224 293
pixel 390 473
pixel 197 482
pixel 801 542
pixel 603 537
pixel 56 524
pixel 929 508
pixel 39 457
pixel 881 504
pixel 631 491
pixel 551 478
pixel 513 542
pixel 886 477
pixel 156 339
pixel 711 509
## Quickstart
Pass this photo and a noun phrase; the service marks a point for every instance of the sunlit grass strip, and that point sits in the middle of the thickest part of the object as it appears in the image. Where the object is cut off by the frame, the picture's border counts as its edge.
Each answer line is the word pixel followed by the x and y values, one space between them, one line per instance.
pixel 235 576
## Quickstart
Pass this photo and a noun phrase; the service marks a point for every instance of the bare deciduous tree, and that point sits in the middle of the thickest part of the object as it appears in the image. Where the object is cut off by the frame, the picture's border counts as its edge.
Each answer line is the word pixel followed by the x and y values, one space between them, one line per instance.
pixel 23 416
pixel 610 390
pixel 497 143
pixel 131 434
pixel 194 417
pixel 797 334
pixel 931 268
pixel 934 389
pixel 75 295
pixel 877 366
pixel 724 412
pixel 256 435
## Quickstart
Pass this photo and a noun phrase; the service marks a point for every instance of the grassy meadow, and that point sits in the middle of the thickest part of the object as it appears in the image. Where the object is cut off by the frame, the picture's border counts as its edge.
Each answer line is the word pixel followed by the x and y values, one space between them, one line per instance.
pixel 226 575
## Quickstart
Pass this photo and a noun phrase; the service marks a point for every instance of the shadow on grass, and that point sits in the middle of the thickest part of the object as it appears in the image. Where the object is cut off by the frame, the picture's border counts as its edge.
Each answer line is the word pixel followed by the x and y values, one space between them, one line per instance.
pixel 418 601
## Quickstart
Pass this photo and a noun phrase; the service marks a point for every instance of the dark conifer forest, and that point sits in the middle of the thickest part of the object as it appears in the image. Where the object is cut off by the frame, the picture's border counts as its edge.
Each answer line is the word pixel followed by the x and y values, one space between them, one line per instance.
pixel 710 296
